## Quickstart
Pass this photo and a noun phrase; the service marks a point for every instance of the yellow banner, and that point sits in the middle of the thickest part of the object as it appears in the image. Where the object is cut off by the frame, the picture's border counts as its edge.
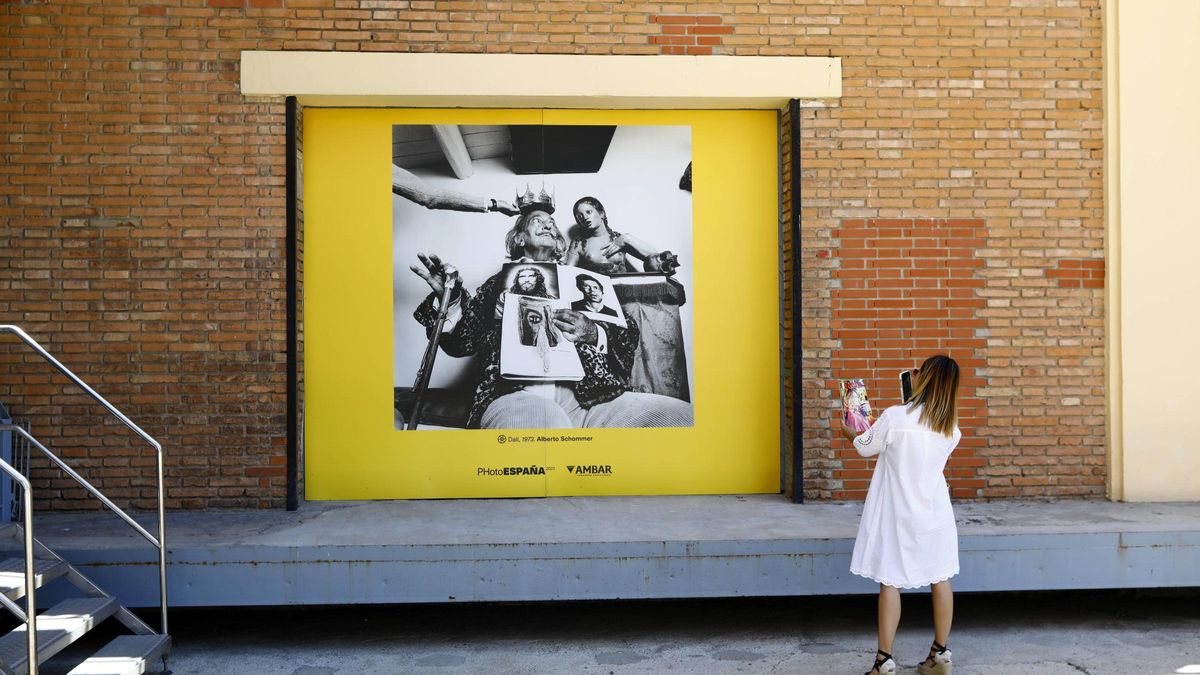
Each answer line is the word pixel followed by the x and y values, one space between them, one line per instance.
pixel 362 344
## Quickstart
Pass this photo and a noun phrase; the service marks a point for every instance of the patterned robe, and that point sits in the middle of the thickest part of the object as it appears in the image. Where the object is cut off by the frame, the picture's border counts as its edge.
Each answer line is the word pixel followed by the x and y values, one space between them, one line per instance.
pixel 605 375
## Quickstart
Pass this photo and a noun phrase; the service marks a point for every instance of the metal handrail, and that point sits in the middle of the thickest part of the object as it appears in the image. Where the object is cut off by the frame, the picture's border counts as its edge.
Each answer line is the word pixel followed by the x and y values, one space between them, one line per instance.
pixel 30 617
pixel 160 541
pixel 82 481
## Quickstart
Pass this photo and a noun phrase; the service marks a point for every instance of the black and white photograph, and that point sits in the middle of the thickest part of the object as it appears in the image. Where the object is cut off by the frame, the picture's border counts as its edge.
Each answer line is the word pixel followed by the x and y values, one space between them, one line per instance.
pixel 532 347
pixel 597 299
pixel 542 277
pixel 539 280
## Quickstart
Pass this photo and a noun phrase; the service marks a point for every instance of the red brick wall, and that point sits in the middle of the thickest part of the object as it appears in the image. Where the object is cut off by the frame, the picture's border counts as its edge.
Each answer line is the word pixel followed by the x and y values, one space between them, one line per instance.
pixel 143 207
pixel 300 302
pixel 788 287
pixel 980 114
pixel 142 201
pixel 906 289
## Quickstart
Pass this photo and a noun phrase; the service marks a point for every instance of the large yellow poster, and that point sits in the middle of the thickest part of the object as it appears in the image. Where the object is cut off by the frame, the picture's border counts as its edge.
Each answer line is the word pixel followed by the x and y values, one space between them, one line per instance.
pixel 537 303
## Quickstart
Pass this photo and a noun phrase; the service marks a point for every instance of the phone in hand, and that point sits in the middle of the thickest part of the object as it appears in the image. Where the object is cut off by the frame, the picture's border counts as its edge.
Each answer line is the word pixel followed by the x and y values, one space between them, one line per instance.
pixel 905 385
pixel 856 408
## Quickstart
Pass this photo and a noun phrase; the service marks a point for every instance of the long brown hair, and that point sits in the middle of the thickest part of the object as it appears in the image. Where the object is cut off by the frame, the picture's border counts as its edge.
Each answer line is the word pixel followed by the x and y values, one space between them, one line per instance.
pixel 936 390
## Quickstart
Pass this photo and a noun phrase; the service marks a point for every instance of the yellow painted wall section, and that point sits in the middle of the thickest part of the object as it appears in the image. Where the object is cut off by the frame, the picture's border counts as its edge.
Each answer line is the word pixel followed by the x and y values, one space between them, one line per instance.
pixel 1155 228
pixel 353 451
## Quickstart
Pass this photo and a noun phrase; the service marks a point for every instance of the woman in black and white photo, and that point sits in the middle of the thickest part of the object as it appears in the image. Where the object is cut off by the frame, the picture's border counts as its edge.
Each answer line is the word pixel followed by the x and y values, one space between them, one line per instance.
pixel 595 246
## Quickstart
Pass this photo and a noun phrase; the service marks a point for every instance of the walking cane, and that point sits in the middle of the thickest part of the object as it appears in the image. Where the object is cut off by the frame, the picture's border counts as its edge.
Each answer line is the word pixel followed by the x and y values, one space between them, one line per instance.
pixel 426 370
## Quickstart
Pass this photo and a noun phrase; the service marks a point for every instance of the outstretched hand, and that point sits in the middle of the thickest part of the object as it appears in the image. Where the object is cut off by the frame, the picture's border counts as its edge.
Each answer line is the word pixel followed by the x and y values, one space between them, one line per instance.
pixel 434 272
pixel 575 327
pixel 506 208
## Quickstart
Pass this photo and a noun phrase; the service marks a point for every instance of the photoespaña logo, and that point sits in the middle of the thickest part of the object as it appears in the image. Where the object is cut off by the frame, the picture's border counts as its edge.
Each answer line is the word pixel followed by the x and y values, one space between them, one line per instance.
pixel 589 469
pixel 533 470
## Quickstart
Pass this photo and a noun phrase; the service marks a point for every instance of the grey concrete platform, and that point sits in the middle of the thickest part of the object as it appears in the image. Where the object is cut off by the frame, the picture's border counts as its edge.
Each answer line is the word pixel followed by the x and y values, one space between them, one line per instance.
pixel 606 548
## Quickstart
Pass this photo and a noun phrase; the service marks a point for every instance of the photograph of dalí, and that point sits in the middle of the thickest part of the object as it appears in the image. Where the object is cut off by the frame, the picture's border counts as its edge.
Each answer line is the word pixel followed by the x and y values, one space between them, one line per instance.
pixel 542 277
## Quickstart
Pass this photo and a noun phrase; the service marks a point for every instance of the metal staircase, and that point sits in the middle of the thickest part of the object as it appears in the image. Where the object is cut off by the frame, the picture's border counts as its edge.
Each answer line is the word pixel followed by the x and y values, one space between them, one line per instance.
pixel 44 634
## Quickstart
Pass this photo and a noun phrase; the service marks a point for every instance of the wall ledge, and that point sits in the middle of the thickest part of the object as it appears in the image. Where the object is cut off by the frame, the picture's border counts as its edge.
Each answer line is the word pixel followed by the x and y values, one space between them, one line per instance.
pixel 368 79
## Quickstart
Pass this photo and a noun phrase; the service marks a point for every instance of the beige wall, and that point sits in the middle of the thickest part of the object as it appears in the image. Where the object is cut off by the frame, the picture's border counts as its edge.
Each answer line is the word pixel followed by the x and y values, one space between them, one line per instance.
pixel 1154 237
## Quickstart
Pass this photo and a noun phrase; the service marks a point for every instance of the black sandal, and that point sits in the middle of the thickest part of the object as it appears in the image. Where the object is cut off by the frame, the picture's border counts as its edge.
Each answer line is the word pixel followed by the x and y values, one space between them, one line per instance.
pixel 937 663
pixel 881 658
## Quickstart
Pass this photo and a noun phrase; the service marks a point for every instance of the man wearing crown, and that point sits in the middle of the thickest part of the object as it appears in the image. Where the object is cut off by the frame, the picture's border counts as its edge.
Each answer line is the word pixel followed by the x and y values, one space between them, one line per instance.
pixel 473 327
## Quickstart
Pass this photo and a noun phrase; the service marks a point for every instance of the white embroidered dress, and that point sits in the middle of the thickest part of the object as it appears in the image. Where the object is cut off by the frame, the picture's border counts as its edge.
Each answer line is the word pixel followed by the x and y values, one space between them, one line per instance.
pixel 907 537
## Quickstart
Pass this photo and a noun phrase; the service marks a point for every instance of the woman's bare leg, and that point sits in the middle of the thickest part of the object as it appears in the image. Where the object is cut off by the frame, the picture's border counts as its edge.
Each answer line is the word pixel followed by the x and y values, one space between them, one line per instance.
pixel 943 612
pixel 889 616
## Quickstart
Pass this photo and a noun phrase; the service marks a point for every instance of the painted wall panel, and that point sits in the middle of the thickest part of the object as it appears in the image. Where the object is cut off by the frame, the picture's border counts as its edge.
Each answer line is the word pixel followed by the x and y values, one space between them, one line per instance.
pixel 354 451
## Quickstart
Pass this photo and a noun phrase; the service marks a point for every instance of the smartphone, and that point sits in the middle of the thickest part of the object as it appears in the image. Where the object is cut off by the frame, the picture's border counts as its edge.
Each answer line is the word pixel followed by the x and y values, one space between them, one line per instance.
pixel 905 385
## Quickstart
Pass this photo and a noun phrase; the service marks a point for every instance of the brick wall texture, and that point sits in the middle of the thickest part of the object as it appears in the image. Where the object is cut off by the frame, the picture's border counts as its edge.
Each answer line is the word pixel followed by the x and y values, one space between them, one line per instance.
pixel 951 201
pixel 788 230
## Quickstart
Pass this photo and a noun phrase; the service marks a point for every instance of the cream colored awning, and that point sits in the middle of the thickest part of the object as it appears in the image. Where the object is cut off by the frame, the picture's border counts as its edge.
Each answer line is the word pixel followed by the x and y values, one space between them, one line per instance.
pixel 539 80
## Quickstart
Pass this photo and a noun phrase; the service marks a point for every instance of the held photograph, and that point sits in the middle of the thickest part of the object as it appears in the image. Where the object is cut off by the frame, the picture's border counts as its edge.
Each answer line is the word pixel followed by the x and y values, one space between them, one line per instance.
pixel 542 277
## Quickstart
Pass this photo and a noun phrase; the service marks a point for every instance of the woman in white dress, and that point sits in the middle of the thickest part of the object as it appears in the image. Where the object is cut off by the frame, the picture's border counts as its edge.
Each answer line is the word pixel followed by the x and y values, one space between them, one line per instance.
pixel 907 537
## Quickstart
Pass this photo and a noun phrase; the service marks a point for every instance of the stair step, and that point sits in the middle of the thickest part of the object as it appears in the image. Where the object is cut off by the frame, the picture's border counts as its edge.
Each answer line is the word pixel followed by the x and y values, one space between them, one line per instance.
pixel 126 655
pixel 57 627
pixel 12 575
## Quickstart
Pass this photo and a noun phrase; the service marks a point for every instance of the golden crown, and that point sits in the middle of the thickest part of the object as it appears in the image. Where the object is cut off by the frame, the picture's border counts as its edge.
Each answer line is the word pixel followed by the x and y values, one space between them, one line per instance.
pixel 542 201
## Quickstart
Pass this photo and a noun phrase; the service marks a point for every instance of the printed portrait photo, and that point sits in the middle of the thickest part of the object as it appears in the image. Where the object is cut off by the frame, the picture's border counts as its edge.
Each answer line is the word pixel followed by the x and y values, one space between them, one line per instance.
pixel 542 277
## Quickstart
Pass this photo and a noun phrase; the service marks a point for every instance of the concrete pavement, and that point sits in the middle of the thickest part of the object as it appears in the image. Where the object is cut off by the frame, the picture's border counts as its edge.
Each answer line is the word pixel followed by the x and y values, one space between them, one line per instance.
pixel 1055 633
